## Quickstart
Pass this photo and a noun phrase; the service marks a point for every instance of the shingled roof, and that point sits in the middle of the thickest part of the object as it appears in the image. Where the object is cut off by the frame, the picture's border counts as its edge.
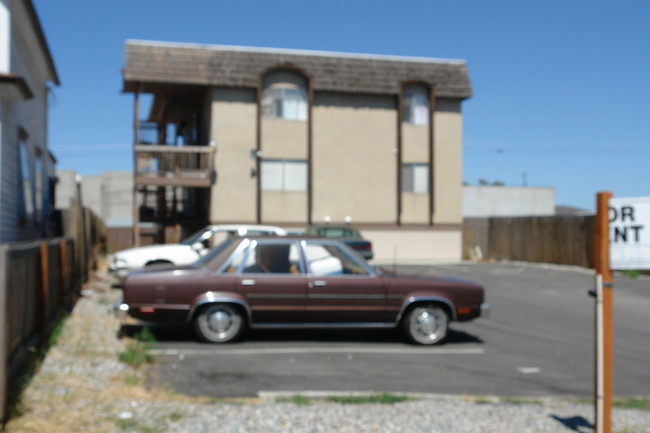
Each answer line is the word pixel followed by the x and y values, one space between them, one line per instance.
pixel 173 63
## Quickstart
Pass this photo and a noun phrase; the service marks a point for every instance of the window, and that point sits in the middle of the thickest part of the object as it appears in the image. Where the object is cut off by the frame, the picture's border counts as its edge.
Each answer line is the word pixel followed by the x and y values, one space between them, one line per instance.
pixel 416 105
pixel 285 103
pixel 284 175
pixel 274 258
pixel 324 260
pixel 415 177
pixel 27 183
pixel 284 96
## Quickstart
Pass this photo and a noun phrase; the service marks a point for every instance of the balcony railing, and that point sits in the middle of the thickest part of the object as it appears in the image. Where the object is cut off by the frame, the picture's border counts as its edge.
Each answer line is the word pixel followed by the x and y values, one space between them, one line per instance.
pixel 185 166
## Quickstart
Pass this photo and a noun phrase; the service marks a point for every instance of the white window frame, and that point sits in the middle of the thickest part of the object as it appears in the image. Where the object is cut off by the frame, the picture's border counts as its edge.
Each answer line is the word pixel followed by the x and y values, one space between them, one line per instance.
pixel 284 175
pixel 415 177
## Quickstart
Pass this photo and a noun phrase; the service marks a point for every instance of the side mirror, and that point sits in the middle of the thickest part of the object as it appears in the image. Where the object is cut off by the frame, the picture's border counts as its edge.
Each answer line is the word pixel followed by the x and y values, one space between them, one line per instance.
pixel 198 246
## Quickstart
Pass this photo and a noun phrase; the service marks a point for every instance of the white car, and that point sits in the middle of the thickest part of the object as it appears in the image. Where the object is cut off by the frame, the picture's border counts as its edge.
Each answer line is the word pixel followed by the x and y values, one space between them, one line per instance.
pixel 187 251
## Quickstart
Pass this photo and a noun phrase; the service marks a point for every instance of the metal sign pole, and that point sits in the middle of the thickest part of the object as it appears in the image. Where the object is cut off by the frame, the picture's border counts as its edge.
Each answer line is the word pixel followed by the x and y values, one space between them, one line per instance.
pixel 604 317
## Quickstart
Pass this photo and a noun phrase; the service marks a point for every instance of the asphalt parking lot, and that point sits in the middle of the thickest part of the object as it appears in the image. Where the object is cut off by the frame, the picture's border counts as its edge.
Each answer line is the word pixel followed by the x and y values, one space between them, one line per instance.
pixel 537 341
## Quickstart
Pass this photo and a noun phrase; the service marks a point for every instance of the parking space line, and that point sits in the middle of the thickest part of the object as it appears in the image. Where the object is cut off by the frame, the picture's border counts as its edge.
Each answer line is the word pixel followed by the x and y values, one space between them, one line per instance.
pixel 318 350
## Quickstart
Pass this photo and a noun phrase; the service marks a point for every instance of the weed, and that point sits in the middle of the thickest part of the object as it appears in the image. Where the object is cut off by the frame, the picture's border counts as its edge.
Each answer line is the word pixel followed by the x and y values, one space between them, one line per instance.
pixel 175 416
pixel 136 353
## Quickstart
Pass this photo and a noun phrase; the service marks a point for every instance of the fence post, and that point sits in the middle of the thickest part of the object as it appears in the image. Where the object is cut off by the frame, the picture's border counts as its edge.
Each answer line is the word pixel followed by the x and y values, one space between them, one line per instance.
pixel 41 306
pixel 4 340
pixel 63 253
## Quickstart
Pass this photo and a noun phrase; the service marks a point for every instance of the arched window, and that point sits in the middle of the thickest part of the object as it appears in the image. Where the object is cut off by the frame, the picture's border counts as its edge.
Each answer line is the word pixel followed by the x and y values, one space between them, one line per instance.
pixel 415 101
pixel 284 96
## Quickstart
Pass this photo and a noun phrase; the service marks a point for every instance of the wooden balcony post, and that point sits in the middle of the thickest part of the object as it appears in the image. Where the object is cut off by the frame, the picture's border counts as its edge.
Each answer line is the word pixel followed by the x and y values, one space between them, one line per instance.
pixel 136 141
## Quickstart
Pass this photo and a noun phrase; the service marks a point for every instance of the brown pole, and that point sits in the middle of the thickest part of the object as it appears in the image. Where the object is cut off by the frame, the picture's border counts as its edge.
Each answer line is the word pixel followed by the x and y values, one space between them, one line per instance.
pixel 604 317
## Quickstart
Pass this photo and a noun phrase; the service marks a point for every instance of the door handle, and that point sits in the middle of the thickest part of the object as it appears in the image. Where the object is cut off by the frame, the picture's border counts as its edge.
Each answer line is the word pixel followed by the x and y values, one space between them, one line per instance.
pixel 247 282
pixel 318 283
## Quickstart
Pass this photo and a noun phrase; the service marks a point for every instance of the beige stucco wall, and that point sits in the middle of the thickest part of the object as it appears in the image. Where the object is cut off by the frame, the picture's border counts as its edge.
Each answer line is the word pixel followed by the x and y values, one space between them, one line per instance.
pixel 354 158
pixel 280 207
pixel 233 126
pixel 284 139
pixel 448 137
pixel 416 246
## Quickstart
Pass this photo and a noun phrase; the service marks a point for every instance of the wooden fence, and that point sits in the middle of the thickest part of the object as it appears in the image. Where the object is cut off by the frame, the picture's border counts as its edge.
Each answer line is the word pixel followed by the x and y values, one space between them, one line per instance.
pixel 40 281
pixel 566 240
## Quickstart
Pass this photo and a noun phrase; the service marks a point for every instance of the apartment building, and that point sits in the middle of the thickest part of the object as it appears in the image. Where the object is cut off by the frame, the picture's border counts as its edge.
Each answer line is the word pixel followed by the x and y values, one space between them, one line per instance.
pixel 293 138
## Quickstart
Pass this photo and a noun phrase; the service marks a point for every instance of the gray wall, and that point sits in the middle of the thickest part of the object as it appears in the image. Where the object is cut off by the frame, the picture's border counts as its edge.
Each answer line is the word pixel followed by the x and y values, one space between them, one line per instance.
pixel 109 195
pixel 489 201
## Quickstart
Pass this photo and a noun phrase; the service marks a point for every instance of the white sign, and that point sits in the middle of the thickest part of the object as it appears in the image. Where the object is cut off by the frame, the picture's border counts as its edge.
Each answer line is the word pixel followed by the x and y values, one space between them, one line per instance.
pixel 629 233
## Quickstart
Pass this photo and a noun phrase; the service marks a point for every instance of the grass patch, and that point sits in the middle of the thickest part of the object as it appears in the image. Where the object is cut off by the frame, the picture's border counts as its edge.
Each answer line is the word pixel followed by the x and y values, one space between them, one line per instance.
pixel 371 399
pixel 519 401
pixel 136 353
pixel 631 273
pixel 632 403
pixel 298 400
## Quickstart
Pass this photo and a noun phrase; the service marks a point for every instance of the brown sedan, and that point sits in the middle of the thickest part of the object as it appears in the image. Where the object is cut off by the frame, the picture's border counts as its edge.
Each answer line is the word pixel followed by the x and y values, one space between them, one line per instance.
pixel 297 282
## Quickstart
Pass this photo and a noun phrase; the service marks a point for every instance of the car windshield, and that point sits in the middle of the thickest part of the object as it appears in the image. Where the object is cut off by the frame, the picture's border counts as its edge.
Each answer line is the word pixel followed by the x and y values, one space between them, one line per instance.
pixel 218 255
pixel 335 232
pixel 199 236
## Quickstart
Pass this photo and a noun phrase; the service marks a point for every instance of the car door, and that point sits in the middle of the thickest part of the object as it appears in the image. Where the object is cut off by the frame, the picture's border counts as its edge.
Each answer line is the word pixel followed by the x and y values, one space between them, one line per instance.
pixel 341 287
pixel 271 276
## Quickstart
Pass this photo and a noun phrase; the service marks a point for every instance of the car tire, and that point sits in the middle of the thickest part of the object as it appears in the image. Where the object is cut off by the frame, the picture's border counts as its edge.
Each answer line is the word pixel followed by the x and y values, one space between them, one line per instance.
pixel 219 323
pixel 426 324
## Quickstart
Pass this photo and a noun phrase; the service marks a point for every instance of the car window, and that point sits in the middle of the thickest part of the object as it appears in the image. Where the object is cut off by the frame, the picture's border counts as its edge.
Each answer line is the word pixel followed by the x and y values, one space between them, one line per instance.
pixel 215 258
pixel 272 258
pixel 325 260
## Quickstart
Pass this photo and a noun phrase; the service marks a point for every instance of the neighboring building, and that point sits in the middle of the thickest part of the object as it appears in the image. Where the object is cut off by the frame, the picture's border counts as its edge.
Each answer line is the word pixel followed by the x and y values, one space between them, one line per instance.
pixel 290 138
pixel 109 195
pixel 507 201
pixel 26 165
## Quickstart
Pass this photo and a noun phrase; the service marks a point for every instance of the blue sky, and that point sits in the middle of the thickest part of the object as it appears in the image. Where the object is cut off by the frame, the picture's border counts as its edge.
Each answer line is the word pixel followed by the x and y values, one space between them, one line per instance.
pixel 561 88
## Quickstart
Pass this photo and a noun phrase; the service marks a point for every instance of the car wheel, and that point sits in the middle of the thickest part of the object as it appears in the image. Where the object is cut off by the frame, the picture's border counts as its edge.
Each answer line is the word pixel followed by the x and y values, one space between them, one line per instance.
pixel 219 323
pixel 426 324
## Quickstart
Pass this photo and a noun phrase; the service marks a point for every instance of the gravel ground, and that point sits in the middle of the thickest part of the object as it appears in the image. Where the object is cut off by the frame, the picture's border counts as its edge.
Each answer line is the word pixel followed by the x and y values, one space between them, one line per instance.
pixel 82 387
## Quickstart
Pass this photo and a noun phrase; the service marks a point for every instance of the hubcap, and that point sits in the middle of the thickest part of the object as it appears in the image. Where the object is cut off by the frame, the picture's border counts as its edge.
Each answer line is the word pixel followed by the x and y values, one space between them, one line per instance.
pixel 219 321
pixel 427 324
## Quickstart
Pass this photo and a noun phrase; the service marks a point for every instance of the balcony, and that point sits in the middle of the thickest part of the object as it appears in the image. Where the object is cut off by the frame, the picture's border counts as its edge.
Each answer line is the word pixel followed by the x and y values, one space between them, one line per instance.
pixel 182 166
